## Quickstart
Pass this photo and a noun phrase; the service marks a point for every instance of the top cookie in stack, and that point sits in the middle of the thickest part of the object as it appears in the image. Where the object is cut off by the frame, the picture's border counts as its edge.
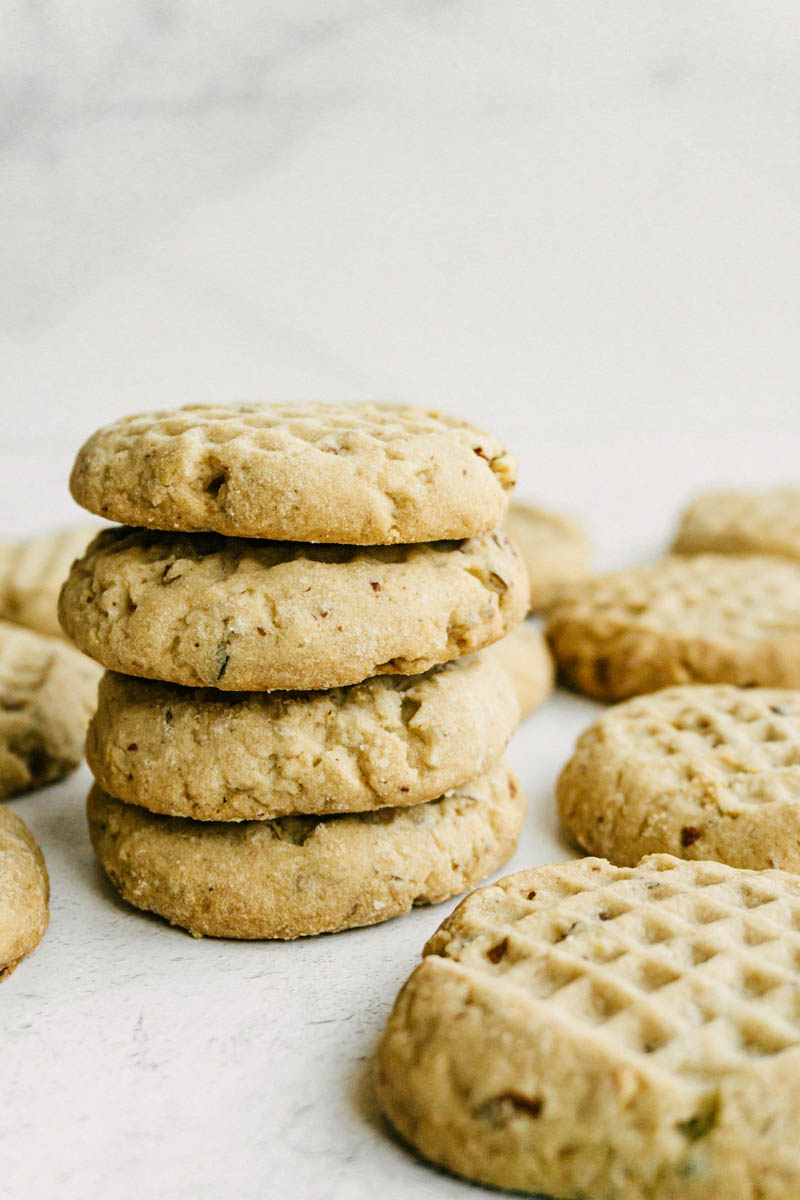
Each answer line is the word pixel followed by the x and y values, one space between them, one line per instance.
pixel 297 548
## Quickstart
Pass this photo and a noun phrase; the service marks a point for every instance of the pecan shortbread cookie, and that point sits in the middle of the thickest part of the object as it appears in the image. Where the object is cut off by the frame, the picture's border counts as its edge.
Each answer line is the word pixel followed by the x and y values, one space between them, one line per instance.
pixel 47 694
pixel 524 655
pixel 306 875
pixel 736 522
pixel 208 611
pixel 713 618
pixel 364 474
pixel 699 772
pixel 24 892
pixel 585 1030
pixel 31 575
pixel 392 740
pixel 554 549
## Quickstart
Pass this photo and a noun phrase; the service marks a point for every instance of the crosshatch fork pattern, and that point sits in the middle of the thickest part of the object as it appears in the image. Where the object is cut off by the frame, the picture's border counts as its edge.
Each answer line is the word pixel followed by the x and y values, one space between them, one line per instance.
pixel 693 966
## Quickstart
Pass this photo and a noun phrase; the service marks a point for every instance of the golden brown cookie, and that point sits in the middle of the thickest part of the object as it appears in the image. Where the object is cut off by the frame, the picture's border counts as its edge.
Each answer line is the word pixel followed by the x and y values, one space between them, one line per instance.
pixel 554 549
pixel 585 1030
pixel 244 615
pixel 231 756
pixel 699 772
pixel 24 892
pixel 737 522
pixel 31 575
pixel 47 694
pixel 714 618
pixel 363 474
pixel 306 875
pixel 524 655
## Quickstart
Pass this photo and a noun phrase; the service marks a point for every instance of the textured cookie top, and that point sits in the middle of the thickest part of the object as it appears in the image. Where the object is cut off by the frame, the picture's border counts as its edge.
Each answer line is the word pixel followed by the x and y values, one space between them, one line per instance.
pixel 31 575
pixel 554 548
pixel 305 875
pixel 47 694
pixel 24 892
pixel 735 522
pixel 246 615
pixel 365 475
pixel 710 618
pixel 392 740
pixel 590 1030
pixel 702 772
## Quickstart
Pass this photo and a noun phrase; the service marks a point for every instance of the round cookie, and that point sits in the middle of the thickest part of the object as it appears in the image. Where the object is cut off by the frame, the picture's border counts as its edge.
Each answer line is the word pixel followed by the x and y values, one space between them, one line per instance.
pixel 364 474
pixel 714 618
pixel 306 875
pixel 523 654
pixel 554 549
pixel 207 611
pixel 24 892
pixel 214 756
pixel 585 1030
pixel 736 522
pixel 31 575
pixel 698 772
pixel 47 694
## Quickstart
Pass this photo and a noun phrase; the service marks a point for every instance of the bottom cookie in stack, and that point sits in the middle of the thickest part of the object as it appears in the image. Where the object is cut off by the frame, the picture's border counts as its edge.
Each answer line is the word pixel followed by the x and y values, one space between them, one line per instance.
pixel 301 875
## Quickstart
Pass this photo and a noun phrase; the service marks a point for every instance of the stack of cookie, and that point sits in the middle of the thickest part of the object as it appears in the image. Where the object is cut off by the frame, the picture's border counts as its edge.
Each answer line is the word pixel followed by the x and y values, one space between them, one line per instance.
pixel 295 734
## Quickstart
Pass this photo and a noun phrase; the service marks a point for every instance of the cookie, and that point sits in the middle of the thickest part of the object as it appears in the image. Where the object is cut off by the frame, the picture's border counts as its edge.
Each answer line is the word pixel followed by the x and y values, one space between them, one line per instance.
pixel 24 892
pixel 392 740
pixel 714 618
pixel 365 474
pixel 31 575
pixel 47 694
pixel 207 611
pixel 554 549
pixel 698 772
pixel 585 1030
pixel 306 875
pixel 734 522
pixel 523 654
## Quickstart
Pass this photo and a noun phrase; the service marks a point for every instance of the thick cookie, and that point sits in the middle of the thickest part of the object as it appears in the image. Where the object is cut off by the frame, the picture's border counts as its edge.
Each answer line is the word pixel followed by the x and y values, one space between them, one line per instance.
pixel 554 549
pixel 31 575
pixel 216 756
pixel 364 475
pixel 306 875
pixel 47 694
pixel 714 618
pixel 585 1030
pixel 699 772
pixel 735 522
pixel 24 892
pixel 207 611
pixel 524 655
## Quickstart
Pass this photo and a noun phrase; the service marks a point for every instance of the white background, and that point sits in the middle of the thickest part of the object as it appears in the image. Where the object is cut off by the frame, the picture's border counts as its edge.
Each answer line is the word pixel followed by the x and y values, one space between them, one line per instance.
pixel 576 224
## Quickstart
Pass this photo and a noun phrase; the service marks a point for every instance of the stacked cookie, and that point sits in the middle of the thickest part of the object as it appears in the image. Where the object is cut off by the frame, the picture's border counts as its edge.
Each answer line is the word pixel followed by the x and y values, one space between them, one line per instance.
pixel 296 733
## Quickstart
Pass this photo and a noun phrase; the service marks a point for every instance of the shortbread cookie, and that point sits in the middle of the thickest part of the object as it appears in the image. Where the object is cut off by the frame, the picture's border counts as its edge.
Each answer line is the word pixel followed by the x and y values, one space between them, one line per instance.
pixel 306 875
pixel 714 618
pixel 365 474
pixel 524 655
pixel 699 772
pixel 207 611
pixel 24 892
pixel 47 694
pixel 554 549
pixel 222 756
pixel 585 1030
pixel 31 575
pixel 734 522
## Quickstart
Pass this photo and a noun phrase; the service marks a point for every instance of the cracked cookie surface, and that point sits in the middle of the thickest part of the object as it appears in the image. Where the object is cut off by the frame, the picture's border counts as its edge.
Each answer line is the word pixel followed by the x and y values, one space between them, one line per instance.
pixel 213 756
pixel 306 875
pixel 620 1033
pixel 712 618
pixel 247 615
pixel 364 474
pixel 24 892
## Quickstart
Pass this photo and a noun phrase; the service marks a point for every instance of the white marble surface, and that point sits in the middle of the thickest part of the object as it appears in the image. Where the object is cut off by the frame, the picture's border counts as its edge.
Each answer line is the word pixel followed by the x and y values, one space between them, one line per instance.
pixel 574 223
